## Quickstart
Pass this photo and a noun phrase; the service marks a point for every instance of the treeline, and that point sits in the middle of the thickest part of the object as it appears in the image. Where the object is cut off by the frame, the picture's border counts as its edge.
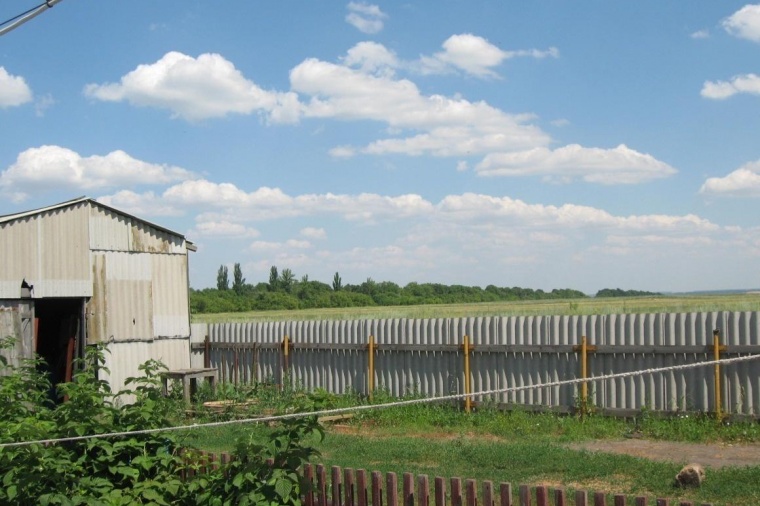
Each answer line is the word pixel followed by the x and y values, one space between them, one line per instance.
pixel 285 291
pixel 617 292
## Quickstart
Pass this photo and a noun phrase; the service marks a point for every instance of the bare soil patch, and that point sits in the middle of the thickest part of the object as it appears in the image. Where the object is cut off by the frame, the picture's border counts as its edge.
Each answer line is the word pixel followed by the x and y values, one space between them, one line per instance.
pixel 709 455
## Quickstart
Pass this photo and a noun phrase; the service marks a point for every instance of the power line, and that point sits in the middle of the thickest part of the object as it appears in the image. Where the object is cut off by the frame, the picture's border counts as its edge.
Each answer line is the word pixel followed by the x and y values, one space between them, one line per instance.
pixel 22 18
pixel 368 407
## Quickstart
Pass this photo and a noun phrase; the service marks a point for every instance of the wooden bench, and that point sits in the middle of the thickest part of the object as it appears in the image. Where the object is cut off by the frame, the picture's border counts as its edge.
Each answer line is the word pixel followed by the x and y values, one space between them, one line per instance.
pixel 189 378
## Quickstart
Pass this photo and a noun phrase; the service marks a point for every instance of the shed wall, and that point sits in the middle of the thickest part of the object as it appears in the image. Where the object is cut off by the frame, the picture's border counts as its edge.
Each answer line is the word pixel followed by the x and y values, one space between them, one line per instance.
pixel 50 251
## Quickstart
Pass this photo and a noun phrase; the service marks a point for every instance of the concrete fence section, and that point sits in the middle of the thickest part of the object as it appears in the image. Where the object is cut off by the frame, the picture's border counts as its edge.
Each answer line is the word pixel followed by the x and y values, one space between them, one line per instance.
pixel 427 357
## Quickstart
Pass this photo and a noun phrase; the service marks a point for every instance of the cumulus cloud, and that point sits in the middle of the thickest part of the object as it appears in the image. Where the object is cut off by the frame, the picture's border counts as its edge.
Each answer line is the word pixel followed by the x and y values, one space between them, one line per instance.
pixel 700 34
pixel 719 90
pixel 371 57
pixel 13 90
pixel 223 228
pixel 140 204
pixel 620 165
pixel 55 167
pixel 197 88
pixel 446 126
pixel 314 233
pixel 743 182
pixel 475 56
pixel 744 23
pixel 367 18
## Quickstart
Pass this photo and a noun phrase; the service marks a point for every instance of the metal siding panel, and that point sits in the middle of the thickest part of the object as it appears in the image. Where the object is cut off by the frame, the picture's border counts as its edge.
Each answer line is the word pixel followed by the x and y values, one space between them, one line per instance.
pixel 147 239
pixel 170 295
pixel 109 231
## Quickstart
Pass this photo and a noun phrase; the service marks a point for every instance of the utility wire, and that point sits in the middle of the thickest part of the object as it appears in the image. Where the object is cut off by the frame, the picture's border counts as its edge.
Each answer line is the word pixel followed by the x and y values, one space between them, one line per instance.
pixel 368 407
pixel 22 18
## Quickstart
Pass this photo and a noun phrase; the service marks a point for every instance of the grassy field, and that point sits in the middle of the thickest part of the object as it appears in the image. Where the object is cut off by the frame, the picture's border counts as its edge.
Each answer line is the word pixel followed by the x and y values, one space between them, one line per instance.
pixel 663 304
pixel 521 448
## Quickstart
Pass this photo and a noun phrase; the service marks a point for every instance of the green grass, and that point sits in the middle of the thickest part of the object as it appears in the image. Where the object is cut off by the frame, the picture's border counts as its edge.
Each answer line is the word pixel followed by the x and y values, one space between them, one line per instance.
pixel 520 448
pixel 664 304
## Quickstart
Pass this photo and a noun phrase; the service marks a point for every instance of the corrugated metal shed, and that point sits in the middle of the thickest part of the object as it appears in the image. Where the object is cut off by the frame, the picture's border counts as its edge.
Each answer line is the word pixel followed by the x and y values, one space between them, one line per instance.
pixel 129 274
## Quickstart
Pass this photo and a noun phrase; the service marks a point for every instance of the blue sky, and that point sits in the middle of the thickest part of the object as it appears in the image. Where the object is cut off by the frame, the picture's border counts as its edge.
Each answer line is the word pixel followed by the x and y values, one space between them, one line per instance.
pixel 545 144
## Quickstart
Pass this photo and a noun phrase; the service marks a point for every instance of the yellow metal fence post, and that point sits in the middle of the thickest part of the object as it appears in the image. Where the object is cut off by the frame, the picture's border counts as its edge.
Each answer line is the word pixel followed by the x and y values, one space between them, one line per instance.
pixel 285 361
pixel 584 348
pixel 371 367
pixel 467 386
pixel 717 348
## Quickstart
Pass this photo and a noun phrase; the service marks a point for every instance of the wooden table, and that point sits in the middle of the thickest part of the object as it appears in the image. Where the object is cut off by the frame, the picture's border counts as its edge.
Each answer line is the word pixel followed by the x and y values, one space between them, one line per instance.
pixel 189 378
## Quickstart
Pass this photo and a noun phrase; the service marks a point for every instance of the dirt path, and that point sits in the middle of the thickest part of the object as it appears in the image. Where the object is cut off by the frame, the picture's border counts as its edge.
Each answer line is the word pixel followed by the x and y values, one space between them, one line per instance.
pixel 709 455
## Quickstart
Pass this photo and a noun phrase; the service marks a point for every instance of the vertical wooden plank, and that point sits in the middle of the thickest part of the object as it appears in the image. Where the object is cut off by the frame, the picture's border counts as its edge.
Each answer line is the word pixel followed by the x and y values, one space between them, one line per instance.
pixel 440 491
pixel 581 498
pixel 641 501
pixel 505 494
pixel 456 492
pixel 336 486
pixel 423 490
pixel 321 485
pixel 408 490
pixel 524 495
pixel 377 488
pixel 560 498
pixel 662 502
pixel 308 484
pixel 600 499
pixel 206 352
pixel 235 363
pixel 619 500
pixel 471 493
pixel 488 493
pixel 391 489
pixel 686 503
pixel 542 495
pixel 361 488
pixel 348 487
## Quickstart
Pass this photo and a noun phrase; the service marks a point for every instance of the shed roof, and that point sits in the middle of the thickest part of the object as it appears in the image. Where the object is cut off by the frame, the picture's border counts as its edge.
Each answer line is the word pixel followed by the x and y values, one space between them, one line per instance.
pixel 11 217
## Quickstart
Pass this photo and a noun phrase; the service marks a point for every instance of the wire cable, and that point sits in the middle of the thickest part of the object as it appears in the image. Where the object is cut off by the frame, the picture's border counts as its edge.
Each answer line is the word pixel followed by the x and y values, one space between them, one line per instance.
pixel 368 407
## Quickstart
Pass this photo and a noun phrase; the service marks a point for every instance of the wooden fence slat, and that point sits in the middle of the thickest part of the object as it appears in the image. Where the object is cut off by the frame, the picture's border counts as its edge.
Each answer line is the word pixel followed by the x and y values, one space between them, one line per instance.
pixel 456 492
pixel 391 489
pixel 600 499
pixel 619 500
pixel 471 492
pixel 321 485
pixel 308 484
pixel 581 498
pixel 505 494
pixel 662 502
pixel 408 490
pixel 641 501
pixel 440 491
pixel 335 473
pixel 423 490
pixel 348 487
pixel 524 495
pixel 488 493
pixel 361 488
pixel 560 498
pixel 542 495
pixel 377 488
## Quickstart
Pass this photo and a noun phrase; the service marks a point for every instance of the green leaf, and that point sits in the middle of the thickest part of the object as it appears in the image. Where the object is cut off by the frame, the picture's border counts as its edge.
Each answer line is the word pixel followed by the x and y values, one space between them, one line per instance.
pixel 283 487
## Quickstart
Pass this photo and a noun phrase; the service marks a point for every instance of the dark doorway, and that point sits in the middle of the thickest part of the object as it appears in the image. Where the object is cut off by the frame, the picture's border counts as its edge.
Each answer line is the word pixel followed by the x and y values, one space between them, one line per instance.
pixel 60 333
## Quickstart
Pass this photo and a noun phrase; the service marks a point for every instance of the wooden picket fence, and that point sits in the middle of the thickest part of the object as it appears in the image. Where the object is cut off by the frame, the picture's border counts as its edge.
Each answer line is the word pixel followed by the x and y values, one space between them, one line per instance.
pixel 357 487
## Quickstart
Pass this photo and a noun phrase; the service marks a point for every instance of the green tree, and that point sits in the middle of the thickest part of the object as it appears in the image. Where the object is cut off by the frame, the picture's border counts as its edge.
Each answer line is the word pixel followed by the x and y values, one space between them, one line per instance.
pixel 337 283
pixel 274 279
pixel 238 280
pixel 222 278
pixel 287 278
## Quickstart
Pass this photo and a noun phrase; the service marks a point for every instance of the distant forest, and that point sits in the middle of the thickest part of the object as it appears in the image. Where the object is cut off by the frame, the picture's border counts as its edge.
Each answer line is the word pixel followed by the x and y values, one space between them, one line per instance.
pixel 284 291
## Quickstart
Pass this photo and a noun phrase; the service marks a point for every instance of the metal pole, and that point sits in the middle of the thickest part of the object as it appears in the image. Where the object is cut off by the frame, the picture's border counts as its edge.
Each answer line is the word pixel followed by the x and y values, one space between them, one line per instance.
pixel 716 356
pixel 467 400
pixel 584 375
pixel 29 16
pixel 285 360
pixel 371 367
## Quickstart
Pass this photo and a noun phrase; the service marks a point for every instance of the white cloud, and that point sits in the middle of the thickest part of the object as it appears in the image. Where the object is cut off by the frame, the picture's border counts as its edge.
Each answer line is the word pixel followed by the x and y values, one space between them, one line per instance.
pixel 367 18
pixel 314 233
pixel 744 23
pixel 620 165
pixel 743 182
pixel 700 34
pixel 223 229
pixel 13 90
pixel 55 167
pixel 197 88
pixel 140 204
pixel 475 56
pixel 371 57
pixel 719 90
pixel 43 103
pixel 448 126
